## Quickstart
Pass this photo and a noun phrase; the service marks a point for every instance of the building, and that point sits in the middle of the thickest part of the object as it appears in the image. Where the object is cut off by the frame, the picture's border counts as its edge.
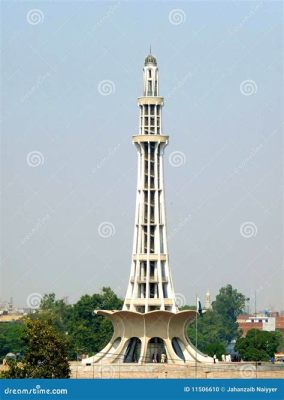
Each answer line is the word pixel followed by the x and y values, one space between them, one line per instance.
pixel 149 328
pixel 259 321
pixel 279 320
pixel 280 323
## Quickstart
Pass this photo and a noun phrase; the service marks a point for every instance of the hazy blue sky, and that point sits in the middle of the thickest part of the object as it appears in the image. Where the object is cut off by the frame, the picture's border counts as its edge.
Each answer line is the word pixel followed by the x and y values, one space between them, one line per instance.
pixel 221 73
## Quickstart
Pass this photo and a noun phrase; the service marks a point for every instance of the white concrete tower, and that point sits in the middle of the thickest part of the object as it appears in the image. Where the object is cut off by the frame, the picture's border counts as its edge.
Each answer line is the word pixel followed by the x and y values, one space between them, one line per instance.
pixel 150 324
pixel 150 285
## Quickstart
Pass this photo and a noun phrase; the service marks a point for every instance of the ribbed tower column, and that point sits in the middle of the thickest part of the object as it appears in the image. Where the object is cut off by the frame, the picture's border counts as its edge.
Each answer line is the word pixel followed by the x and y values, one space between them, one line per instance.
pixel 150 285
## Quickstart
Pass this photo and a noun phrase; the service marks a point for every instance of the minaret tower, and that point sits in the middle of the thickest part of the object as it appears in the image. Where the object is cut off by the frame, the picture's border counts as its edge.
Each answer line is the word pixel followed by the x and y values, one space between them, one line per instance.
pixel 149 328
pixel 207 304
pixel 150 285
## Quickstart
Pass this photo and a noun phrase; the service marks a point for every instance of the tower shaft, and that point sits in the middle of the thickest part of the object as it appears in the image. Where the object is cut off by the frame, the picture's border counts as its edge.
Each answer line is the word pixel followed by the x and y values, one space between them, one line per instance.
pixel 150 285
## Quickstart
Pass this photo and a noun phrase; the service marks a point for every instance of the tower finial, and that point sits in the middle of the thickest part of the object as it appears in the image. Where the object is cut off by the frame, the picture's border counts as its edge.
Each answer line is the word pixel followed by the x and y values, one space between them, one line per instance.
pixel 150 50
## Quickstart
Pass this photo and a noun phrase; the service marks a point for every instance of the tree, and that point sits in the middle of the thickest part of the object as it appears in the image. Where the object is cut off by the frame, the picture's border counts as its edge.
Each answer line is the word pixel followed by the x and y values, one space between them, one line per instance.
pixel 258 345
pixel 217 327
pixel 85 331
pixel 11 338
pixel 45 353
pixel 49 302
pixel 88 332
pixel 209 339
pixel 187 307
pixel 82 331
pixel 54 310
pixel 228 305
pixel 217 348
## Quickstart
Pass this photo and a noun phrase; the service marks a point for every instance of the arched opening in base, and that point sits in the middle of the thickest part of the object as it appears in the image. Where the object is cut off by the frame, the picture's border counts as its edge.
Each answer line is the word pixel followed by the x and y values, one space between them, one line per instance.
pixel 156 351
pixel 177 348
pixel 112 351
pixel 133 351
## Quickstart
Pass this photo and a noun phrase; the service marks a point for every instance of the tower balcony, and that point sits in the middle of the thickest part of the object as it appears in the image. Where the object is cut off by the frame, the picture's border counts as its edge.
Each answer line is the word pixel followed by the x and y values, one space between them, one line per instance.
pixel 150 301
pixel 151 100
pixel 150 138
pixel 150 257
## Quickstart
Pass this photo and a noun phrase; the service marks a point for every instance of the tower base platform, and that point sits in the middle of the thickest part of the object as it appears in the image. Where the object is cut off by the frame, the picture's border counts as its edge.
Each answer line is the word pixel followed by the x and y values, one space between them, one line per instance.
pixel 153 337
pixel 191 370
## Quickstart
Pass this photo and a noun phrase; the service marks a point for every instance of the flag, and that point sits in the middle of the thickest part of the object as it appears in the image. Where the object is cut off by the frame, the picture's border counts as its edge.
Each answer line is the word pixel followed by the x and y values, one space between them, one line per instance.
pixel 199 306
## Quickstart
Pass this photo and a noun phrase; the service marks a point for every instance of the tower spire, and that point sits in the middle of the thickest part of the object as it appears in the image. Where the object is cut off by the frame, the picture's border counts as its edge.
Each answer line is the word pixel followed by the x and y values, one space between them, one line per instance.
pixel 150 285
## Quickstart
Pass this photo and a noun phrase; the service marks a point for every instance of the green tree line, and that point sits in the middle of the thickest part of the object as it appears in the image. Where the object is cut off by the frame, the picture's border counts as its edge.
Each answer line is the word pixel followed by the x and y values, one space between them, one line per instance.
pixel 69 331
pixel 85 332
